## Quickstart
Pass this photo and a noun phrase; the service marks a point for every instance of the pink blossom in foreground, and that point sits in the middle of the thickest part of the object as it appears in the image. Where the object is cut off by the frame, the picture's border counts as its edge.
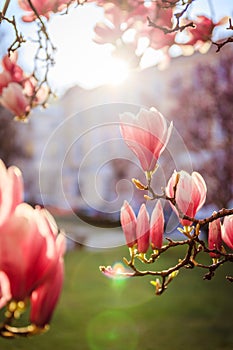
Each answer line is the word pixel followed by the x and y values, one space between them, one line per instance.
pixel 11 71
pixel 227 231
pixel 14 99
pixel 31 251
pixel 110 33
pixel 31 258
pixel 128 223
pixel 11 190
pixel 214 237
pixel 43 8
pixel 143 230
pixel 5 292
pixel 203 30
pixel 190 193
pixel 19 92
pixel 146 134
pixel 9 64
pixel 157 226
pixel 44 298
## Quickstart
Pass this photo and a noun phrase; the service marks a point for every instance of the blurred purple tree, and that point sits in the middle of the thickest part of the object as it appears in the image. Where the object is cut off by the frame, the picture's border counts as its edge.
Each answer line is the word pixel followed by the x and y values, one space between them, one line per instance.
pixel 10 146
pixel 205 107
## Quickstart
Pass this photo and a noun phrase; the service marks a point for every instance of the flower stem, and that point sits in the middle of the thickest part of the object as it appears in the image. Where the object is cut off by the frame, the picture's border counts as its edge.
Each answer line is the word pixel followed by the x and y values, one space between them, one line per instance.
pixel 7 2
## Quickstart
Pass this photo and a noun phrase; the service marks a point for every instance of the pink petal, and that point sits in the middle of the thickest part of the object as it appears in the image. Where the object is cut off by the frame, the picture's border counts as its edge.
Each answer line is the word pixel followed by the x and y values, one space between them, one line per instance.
pixel 128 223
pixel 146 134
pixel 214 237
pixel 143 230
pixel 5 291
pixel 45 298
pixel 157 226
pixel 227 231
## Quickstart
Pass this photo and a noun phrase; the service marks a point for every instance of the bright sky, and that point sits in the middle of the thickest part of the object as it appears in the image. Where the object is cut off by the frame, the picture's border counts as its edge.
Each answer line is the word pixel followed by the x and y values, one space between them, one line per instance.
pixel 78 59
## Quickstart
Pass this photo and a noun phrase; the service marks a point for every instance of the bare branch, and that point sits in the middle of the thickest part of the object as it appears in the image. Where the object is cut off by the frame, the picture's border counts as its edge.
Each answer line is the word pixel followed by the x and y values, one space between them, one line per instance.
pixel 166 30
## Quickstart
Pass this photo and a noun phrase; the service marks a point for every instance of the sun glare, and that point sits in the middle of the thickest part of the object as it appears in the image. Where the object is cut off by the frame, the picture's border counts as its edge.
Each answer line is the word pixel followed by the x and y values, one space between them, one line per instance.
pixel 115 72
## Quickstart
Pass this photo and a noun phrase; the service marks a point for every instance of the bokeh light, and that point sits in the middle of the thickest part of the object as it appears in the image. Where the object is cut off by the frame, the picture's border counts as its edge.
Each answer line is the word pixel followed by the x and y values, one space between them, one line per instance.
pixel 112 329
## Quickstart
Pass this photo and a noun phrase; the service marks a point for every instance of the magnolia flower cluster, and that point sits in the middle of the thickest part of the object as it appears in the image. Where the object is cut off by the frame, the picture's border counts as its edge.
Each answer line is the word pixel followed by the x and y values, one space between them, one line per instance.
pixel 31 251
pixel 18 92
pixel 131 27
pixel 123 18
pixel 147 134
pixel 132 16
pixel 42 7
pixel 142 231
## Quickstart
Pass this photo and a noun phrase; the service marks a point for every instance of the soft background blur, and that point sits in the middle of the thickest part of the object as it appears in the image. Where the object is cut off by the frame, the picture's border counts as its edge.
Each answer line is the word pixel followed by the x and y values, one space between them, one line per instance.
pixel 75 163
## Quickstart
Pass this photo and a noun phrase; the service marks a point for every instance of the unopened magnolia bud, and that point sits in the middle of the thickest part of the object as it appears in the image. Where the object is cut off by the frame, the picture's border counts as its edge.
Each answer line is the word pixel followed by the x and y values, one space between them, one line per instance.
pixel 147 197
pixel 177 179
pixel 139 185
pixel 173 274
pixel 157 285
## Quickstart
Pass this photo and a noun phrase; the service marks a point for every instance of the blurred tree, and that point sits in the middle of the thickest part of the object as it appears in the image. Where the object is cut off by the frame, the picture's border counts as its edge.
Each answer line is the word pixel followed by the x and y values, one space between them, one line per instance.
pixel 10 147
pixel 205 108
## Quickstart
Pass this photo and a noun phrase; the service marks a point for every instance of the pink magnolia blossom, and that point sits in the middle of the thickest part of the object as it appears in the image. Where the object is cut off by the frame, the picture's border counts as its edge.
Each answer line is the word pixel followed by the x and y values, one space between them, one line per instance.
pixel 14 99
pixel 136 230
pixel 10 65
pixel 146 134
pixel 44 298
pixel 5 292
pixel 11 71
pixel 162 17
pixel 160 40
pixel 19 92
pixel 28 252
pixel 227 231
pixel 31 251
pixel 110 33
pixel 214 237
pixel 140 231
pixel 190 193
pixel 128 223
pixel 203 30
pixel 157 226
pixel 5 79
pixel 11 190
pixel 131 14
pixel 143 230
pixel 43 8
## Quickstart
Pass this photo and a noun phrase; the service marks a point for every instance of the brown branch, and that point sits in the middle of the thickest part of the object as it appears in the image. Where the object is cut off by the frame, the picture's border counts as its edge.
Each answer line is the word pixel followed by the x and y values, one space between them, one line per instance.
pixel 222 43
pixel 167 30
pixel 43 27
pixel 220 214
pixel 7 2
pixel 45 55
pixel 19 39
pixel 226 41
pixel 178 16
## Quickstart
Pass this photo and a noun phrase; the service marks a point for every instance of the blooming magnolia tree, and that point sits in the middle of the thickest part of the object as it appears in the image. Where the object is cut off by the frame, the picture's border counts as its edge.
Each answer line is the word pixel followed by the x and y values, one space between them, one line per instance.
pixel 147 134
pixel 130 27
pixel 31 250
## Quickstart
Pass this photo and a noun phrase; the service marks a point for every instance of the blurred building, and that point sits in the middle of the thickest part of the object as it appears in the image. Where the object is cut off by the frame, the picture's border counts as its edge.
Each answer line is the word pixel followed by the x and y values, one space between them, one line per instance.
pixel 77 157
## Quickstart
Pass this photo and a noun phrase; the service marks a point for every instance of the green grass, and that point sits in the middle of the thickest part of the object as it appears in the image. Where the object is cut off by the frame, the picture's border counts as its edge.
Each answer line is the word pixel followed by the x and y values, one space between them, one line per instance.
pixel 97 313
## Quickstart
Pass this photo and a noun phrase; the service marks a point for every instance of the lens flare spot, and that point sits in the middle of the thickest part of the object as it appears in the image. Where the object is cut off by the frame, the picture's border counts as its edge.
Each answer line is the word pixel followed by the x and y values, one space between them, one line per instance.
pixel 119 268
pixel 118 271
pixel 112 329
